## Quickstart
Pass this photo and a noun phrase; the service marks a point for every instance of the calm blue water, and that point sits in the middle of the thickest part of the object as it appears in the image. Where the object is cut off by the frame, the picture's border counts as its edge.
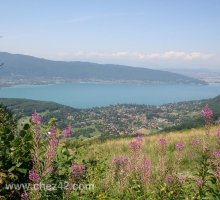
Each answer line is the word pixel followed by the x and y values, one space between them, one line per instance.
pixel 87 95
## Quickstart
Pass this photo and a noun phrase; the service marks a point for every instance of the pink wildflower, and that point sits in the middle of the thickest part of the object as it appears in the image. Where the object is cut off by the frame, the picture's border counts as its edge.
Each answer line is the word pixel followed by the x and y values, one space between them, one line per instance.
pixel 53 132
pixel 24 196
pixel 146 169
pixel 162 141
pixel 120 160
pixel 216 153
pixel 51 151
pixel 77 170
pixel 53 141
pixel 180 146
pixel 169 179
pixel 199 181
pixel 36 118
pixel 207 113
pixel 195 142
pixel 67 132
pixel 33 176
pixel 135 144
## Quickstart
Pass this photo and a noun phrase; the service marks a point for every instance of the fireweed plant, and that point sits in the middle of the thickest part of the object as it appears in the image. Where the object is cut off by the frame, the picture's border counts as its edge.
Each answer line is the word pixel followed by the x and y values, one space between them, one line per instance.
pixel 44 158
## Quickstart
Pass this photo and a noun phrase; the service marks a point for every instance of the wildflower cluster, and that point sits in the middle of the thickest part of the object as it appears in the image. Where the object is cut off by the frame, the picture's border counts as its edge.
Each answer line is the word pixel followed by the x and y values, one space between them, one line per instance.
pixel 118 161
pixel 162 142
pixel 135 145
pixel 24 196
pixel 179 146
pixel 67 131
pixel 44 153
pixel 207 114
pixel 134 168
pixel 33 176
pixel 77 170
pixel 36 119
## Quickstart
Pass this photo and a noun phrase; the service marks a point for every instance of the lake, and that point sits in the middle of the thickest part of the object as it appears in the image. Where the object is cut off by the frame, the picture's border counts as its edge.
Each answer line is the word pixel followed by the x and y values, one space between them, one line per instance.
pixel 87 95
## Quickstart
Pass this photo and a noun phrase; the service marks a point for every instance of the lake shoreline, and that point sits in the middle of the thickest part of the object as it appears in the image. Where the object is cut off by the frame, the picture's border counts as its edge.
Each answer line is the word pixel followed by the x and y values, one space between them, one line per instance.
pixel 101 82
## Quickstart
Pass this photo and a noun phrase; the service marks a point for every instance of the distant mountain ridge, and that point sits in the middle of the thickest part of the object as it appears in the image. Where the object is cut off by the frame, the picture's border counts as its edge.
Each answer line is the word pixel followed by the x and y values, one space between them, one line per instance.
pixel 21 69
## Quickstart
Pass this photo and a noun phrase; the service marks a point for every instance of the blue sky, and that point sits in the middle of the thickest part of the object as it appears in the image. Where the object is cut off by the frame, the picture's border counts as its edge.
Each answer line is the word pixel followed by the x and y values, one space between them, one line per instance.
pixel 148 33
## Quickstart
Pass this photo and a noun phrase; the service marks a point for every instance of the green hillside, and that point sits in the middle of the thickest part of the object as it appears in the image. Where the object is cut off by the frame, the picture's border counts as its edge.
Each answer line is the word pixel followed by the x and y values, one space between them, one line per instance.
pixel 117 120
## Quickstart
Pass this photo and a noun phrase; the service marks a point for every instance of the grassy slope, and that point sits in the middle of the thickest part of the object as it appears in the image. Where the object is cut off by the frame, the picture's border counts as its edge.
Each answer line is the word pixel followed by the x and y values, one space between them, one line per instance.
pixel 98 156
pixel 120 146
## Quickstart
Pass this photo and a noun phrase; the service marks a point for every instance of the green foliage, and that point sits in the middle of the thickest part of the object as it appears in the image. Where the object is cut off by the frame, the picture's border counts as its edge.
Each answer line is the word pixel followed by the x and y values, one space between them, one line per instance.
pixel 15 158
pixel 210 188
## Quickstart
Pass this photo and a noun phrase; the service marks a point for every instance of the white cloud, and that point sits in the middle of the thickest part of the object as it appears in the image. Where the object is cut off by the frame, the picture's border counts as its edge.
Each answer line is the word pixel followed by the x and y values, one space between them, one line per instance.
pixel 167 55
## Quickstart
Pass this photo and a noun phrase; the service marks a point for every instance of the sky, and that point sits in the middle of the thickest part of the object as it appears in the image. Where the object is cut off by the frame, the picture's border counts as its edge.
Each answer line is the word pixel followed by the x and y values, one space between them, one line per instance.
pixel 148 33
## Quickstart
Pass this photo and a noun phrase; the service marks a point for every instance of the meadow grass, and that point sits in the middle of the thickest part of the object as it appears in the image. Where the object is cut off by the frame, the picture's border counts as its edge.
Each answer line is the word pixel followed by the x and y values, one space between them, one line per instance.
pixel 177 164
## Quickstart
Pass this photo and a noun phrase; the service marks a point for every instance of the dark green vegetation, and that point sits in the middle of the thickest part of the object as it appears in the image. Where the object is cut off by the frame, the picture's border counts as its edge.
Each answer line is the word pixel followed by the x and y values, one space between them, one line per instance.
pixel 25 107
pixel 116 120
pixel 21 69
pixel 15 160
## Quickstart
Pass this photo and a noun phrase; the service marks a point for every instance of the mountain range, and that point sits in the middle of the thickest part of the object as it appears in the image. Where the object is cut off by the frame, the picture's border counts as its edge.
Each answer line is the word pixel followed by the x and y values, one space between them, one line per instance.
pixel 23 69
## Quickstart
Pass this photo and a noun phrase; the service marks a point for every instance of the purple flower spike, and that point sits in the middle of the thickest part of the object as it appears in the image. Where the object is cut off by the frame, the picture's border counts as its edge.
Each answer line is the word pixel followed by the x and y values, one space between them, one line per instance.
pixel 77 170
pixel 199 181
pixel 195 142
pixel 180 146
pixel 53 132
pixel 24 196
pixel 169 179
pixel 33 176
pixel 217 153
pixel 67 132
pixel 135 144
pixel 36 118
pixel 162 141
pixel 120 160
pixel 207 113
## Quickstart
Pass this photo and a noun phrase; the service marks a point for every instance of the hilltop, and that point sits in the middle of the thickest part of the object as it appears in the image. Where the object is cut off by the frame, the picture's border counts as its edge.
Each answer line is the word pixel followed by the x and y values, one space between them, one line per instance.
pixel 23 69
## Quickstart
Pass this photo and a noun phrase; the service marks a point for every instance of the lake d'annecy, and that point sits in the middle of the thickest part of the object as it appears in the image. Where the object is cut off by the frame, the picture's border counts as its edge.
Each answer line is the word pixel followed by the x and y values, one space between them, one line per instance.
pixel 87 95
